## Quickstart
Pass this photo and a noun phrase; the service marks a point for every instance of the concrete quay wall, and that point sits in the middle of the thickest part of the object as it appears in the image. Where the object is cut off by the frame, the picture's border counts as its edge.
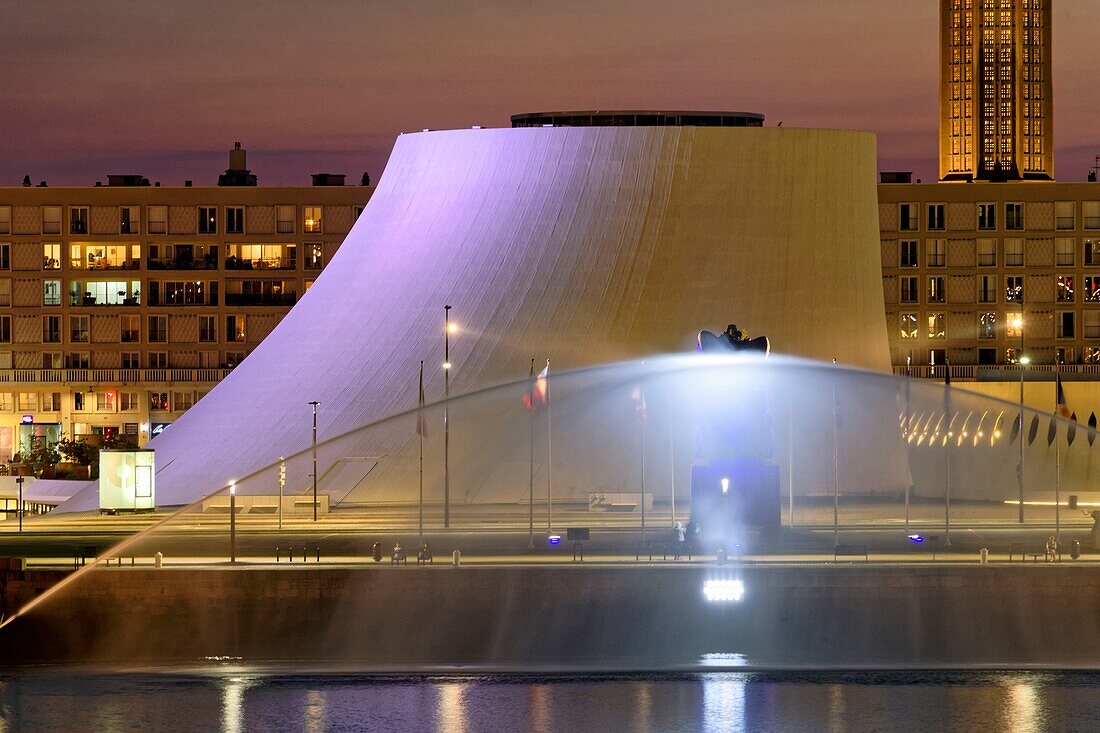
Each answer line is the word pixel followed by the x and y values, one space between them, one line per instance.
pixel 571 617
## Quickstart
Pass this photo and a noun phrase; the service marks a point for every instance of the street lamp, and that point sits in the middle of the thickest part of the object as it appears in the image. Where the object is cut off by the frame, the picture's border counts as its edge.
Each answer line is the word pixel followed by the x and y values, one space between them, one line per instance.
pixel 232 522
pixel 1018 324
pixel 448 329
pixel 19 509
pixel 314 403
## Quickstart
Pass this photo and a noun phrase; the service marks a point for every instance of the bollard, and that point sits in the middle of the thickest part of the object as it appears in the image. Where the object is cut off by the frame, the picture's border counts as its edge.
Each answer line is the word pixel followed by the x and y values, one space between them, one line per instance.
pixel 984 556
pixel 456 558
pixel 318 553
pixel 290 554
pixel 158 560
pixel 276 554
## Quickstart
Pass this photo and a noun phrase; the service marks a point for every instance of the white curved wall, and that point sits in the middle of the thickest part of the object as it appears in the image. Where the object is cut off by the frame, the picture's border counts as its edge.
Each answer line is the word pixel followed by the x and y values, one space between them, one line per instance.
pixel 582 245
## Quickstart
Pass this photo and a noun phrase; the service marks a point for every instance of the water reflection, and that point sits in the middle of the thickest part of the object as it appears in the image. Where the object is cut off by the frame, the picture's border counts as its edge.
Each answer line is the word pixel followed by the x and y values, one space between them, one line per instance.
pixel 836 709
pixel 314 719
pixel 1023 708
pixel 233 704
pixel 451 717
pixel 724 702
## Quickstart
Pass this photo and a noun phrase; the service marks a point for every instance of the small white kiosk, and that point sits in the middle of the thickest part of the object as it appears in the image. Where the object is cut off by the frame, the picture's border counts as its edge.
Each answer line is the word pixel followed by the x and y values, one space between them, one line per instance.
pixel 126 481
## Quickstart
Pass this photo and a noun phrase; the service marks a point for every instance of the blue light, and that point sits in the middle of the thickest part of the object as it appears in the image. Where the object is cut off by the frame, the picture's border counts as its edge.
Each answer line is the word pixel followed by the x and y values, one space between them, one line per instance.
pixel 554 539
pixel 917 538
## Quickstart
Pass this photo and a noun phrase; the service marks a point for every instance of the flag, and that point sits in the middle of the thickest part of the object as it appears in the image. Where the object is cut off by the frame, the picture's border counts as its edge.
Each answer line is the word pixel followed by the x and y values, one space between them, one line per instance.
pixel 537 395
pixel 421 419
pixel 639 403
pixel 1062 407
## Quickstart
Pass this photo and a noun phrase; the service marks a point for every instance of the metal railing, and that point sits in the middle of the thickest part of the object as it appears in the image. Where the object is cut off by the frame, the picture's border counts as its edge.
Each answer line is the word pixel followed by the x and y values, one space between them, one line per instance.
pixel 112 376
pixel 996 372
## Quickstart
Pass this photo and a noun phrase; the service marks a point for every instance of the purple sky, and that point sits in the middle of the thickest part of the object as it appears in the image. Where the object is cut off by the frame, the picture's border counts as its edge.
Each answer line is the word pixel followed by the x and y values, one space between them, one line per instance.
pixel 164 88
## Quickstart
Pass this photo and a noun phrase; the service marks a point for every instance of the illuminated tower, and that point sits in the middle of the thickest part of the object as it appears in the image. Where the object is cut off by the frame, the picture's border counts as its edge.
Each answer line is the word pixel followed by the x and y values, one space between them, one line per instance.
pixel 996 101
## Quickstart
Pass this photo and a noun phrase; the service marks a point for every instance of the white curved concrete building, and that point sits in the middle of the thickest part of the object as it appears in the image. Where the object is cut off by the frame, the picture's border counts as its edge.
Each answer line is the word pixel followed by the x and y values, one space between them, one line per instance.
pixel 583 245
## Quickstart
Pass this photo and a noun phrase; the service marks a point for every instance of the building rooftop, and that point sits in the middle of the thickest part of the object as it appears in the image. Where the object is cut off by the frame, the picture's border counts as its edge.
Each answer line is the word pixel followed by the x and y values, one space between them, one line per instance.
pixel 637 118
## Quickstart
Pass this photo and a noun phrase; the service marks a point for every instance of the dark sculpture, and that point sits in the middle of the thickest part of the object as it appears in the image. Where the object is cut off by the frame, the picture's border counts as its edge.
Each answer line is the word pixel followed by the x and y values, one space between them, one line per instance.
pixel 733 340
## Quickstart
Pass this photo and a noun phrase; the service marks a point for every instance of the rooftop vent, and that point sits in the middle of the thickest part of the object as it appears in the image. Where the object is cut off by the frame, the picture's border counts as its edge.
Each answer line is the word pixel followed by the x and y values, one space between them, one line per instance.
pixel 129 179
pixel 237 174
pixel 328 179
pixel 895 177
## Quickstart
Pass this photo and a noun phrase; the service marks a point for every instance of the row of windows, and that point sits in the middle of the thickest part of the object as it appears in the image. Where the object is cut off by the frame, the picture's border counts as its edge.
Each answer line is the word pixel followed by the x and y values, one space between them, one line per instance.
pixel 177 256
pixel 105 401
pixel 985 252
pixel 156 329
pixel 988 326
pixel 211 219
pixel 94 293
pixel 985 216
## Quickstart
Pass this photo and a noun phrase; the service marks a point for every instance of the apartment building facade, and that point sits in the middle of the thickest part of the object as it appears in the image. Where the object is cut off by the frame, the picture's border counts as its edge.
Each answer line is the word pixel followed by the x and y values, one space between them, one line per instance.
pixel 122 305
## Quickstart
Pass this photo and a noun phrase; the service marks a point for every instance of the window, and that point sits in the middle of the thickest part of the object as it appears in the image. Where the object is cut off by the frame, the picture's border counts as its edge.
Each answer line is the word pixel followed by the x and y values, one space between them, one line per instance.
pixel 51 219
pixel 1092 354
pixel 987 325
pixel 311 219
pixel 234 328
pixel 158 219
pixel 157 359
pixel 935 289
pixel 51 292
pixel 909 253
pixel 131 327
pixel 51 256
pixel 129 220
pixel 1014 253
pixel 937 252
pixel 128 401
pixel 233 358
pixel 234 220
pixel 1092 324
pixel 158 329
pixel 908 324
pixel 1066 325
pixel 1014 289
pixel 78 401
pixel 935 325
pixel 105 401
pixel 87 293
pixel 987 216
pixel 5 291
pixel 28 402
pixel 183 400
pixel 1064 288
pixel 158 401
pixel 1012 356
pixel 5 220
pixel 987 356
pixel 1090 214
pixel 1064 251
pixel 909 293
pixel 100 256
pixel 284 220
pixel 5 256
pixel 5 329
pixel 1092 252
pixel 1065 215
pixel 77 360
pixel 1014 324
pixel 907 216
pixel 208 220
pixel 78 329
pixel 78 220
pixel 987 252
pixel 935 217
pixel 53 360
pixel 208 329
pixel 1066 354
pixel 987 288
pixel 314 256
pixel 7 402
pixel 1014 216
pixel 1092 288
pixel 182 292
pixel 130 360
pixel 51 329
pixel 357 211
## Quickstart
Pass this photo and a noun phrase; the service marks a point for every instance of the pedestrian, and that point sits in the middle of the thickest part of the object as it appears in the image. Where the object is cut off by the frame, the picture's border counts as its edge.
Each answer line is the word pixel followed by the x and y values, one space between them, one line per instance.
pixel 681 536
pixel 1052 549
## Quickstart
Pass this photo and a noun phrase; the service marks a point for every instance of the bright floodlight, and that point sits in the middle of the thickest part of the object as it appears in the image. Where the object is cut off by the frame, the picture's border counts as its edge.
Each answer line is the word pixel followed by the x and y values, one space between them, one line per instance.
pixel 452 328
pixel 446 365
pixel 1025 360
pixel 725 486
pixel 1017 323
pixel 723 591
pixel 232 487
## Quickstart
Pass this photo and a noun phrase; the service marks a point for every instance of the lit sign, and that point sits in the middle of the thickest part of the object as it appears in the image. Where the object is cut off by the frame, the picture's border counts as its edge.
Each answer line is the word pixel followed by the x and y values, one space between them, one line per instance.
pixel 158 428
pixel 723 591
pixel 28 419
pixel 554 539
pixel 917 538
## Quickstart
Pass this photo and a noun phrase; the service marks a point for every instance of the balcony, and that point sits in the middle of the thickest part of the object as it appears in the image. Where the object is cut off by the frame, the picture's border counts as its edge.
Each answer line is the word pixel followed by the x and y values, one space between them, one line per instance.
pixel 285 299
pixel 265 263
pixel 113 376
pixel 1000 372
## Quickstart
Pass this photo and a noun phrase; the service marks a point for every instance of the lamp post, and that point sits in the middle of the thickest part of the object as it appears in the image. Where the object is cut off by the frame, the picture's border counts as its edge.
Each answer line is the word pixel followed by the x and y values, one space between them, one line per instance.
pixel 19 508
pixel 448 328
pixel 282 485
pixel 232 522
pixel 1023 361
pixel 314 404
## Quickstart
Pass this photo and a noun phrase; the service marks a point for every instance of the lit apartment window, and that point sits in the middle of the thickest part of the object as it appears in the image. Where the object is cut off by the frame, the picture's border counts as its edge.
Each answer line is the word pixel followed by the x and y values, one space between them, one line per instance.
pixel 129 220
pixel 105 401
pixel 1092 354
pixel 208 329
pixel 1014 216
pixel 1066 354
pixel 51 256
pixel 284 220
pixel 7 402
pixel 131 328
pixel 909 289
pixel 935 217
pixel 1064 288
pixel 987 252
pixel 987 288
pixel 935 326
pixel 987 216
pixel 1014 289
pixel 908 324
pixel 158 329
pixel 51 292
pixel 1090 214
pixel 157 359
pixel 1091 248
pixel 233 358
pixel 78 402
pixel 935 289
pixel 51 219
pixel 234 220
pixel 158 401
pixel 5 220
pixel 131 360
pixel 1014 253
pixel 907 217
pixel 908 253
pixel 208 220
pixel 51 329
pixel 1067 325
pixel 28 402
pixel 311 219
pixel 235 328
pixel 315 257
pixel 987 325
pixel 1064 251
pixel 78 329
pixel 937 252
pixel 1065 215
pixel 5 291
pixel 78 220
pixel 5 329
pixel 158 219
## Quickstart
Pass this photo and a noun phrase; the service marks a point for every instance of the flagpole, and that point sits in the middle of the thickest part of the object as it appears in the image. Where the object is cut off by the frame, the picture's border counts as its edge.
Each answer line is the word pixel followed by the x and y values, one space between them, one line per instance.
pixel 641 433
pixel 531 486
pixel 672 467
pixel 1057 456
pixel 420 432
pixel 947 447
pixel 905 435
pixel 549 457
pixel 790 463
pixel 836 470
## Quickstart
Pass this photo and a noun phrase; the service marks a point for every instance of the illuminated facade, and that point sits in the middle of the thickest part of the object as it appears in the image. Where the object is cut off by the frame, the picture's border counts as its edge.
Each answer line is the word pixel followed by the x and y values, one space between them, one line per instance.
pixel 996 94
pixel 122 305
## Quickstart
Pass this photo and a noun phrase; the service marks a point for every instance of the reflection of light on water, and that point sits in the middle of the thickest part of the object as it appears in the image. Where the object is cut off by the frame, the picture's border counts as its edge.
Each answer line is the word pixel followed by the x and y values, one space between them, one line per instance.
pixel 643 711
pixel 837 717
pixel 233 704
pixel 1023 710
pixel 452 707
pixel 724 660
pixel 724 702
pixel 540 707
pixel 314 720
